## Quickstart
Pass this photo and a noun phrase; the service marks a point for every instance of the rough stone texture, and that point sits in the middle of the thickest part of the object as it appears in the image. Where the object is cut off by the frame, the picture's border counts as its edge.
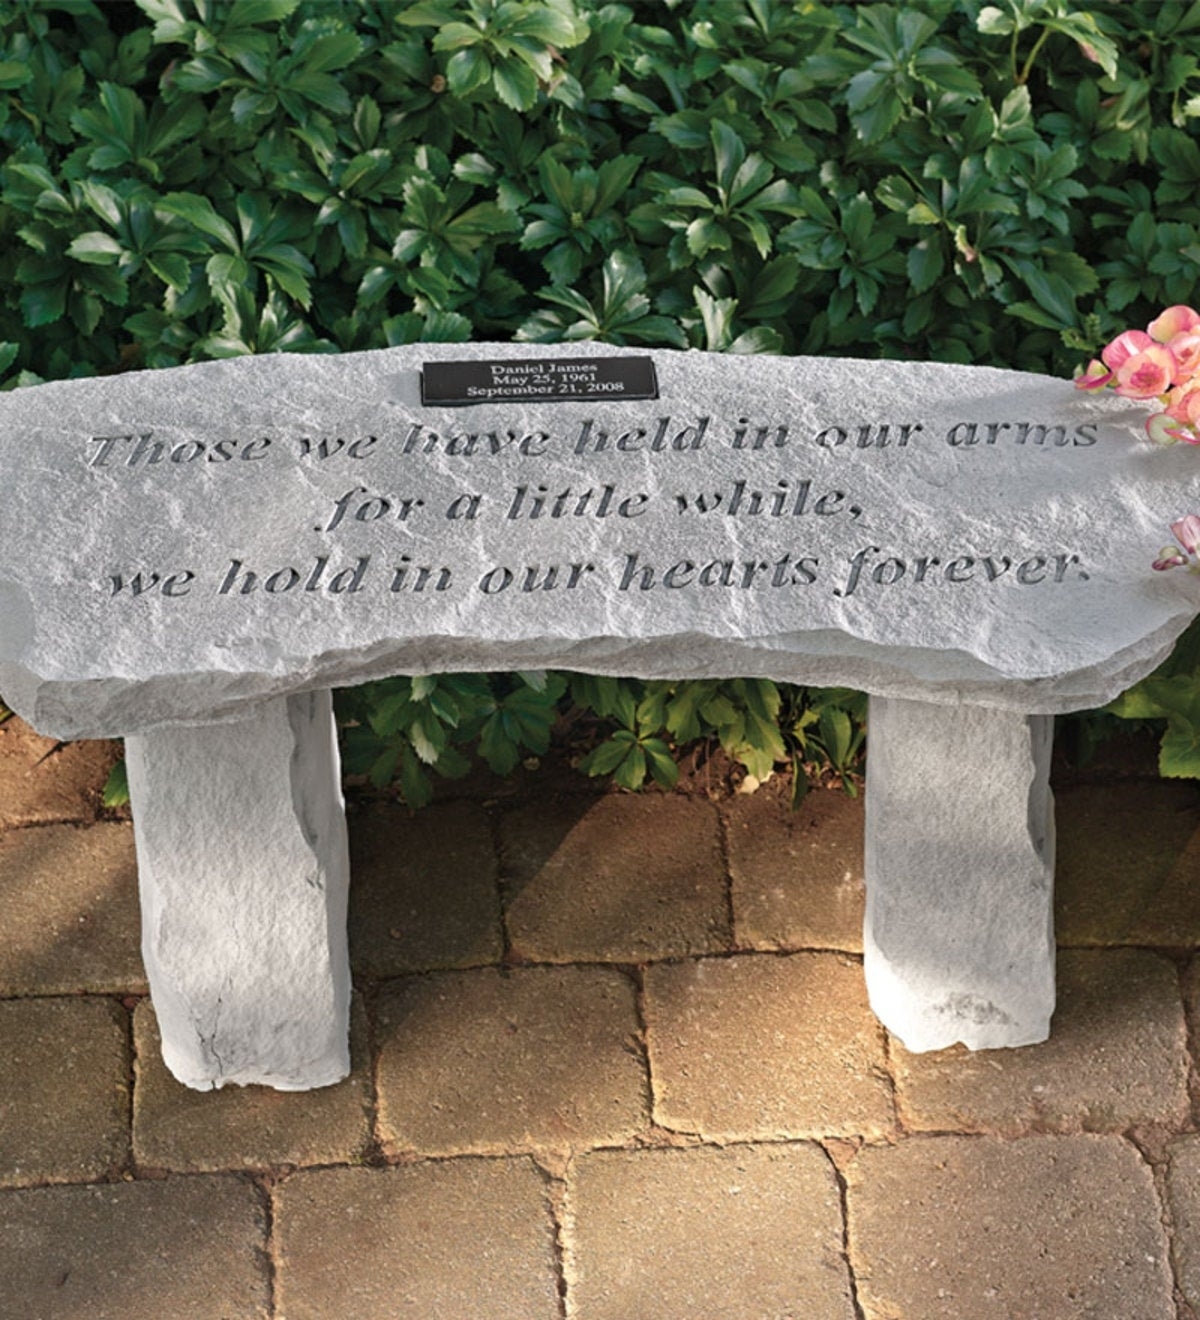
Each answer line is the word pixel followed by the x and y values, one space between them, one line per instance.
pixel 621 879
pixel 184 1247
pixel 43 780
pixel 175 1127
pixel 1183 1200
pixel 429 902
pixel 64 1091
pixel 465 1238
pixel 69 910
pixel 930 561
pixel 764 1045
pixel 243 875
pixel 958 941
pixel 797 876
pixel 491 1062
pixel 1117 1058
pixel 708 1234
pixel 1128 864
pixel 1056 1228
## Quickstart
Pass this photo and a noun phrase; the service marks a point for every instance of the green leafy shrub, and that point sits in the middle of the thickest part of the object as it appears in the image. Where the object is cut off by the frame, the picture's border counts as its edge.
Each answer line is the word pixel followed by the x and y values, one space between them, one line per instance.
pixel 1008 184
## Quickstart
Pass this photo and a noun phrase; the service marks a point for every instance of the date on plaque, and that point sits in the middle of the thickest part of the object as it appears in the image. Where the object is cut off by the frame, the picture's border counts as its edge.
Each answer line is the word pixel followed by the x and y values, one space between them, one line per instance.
pixel 538 380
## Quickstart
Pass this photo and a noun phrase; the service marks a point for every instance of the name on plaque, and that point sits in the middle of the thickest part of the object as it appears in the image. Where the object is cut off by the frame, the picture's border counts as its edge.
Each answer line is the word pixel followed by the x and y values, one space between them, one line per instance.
pixel 545 380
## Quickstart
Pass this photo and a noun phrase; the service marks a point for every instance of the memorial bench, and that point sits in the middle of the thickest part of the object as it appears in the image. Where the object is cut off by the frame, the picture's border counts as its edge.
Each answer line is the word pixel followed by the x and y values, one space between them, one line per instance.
pixel 194 557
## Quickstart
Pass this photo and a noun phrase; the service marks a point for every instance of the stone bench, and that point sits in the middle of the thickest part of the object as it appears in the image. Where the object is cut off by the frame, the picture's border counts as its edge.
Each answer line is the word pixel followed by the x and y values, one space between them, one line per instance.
pixel 194 557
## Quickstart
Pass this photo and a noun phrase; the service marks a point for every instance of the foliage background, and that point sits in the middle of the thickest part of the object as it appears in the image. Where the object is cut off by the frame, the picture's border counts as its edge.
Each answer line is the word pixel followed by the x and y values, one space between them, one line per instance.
pixel 1009 184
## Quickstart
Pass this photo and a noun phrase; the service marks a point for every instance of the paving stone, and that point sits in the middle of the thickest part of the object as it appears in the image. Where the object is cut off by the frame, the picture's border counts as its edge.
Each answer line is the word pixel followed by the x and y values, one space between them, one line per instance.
pixel 621 879
pixel 797 875
pixel 1128 867
pixel 764 1045
pixel 69 910
pixel 730 1234
pixel 175 1127
pixel 43 780
pixel 495 1062
pixel 1183 1199
pixel 186 1248
pixel 422 889
pixel 979 1228
pixel 458 1238
pixel 64 1090
pixel 1116 1058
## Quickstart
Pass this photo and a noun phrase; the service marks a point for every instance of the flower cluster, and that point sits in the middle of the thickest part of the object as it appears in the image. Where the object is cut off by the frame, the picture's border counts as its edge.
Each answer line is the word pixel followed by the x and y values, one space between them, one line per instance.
pixel 1187 533
pixel 1161 362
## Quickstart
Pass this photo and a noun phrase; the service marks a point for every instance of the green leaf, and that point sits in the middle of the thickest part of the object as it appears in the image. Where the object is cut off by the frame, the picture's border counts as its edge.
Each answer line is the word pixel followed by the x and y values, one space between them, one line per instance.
pixel 95 248
pixel 468 69
pixel 516 85
pixel 14 74
pixel 115 792
pixel 202 215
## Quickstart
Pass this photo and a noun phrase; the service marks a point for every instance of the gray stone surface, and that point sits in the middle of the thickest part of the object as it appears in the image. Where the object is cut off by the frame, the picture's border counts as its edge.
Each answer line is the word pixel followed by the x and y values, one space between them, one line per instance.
pixel 191 540
pixel 69 910
pixel 245 1127
pixel 243 875
pixel 766 1046
pixel 539 1058
pixel 1057 1228
pixel 1116 1059
pixel 621 879
pixel 183 1247
pixel 958 942
pixel 64 1091
pixel 748 1231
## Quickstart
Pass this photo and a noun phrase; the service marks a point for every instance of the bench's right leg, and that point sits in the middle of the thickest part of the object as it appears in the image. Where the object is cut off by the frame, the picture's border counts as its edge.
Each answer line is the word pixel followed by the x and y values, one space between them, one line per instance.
pixel 959 936
pixel 243 873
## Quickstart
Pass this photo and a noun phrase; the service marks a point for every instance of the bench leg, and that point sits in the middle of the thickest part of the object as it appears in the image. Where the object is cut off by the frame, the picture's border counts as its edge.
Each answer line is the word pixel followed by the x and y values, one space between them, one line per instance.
pixel 243 873
pixel 959 936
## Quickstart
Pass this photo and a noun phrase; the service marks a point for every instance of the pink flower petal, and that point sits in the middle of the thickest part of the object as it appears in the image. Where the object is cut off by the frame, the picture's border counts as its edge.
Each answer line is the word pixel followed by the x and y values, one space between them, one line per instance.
pixel 1094 376
pixel 1147 374
pixel 1164 429
pixel 1169 557
pixel 1174 321
pixel 1186 348
pixel 1124 347
pixel 1187 532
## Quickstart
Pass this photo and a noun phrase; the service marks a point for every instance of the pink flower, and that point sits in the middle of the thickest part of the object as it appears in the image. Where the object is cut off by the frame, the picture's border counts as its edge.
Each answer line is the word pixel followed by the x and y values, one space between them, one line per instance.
pixel 1170 557
pixel 1094 376
pixel 1164 429
pixel 1146 374
pixel 1125 346
pixel 1174 321
pixel 1186 349
pixel 1183 403
pixel 1187 532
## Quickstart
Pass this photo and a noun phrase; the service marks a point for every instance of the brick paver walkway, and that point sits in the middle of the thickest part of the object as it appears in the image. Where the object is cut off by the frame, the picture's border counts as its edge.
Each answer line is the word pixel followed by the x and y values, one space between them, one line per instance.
pixel 613 1061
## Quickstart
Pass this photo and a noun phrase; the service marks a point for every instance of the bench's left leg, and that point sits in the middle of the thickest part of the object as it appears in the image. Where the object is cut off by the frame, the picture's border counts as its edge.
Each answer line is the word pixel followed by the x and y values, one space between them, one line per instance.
pixel 959 936
pixel 243 873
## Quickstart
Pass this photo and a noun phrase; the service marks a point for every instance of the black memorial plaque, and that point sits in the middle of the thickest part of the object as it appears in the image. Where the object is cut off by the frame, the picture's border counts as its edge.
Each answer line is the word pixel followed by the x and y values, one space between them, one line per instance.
pixel 538 380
